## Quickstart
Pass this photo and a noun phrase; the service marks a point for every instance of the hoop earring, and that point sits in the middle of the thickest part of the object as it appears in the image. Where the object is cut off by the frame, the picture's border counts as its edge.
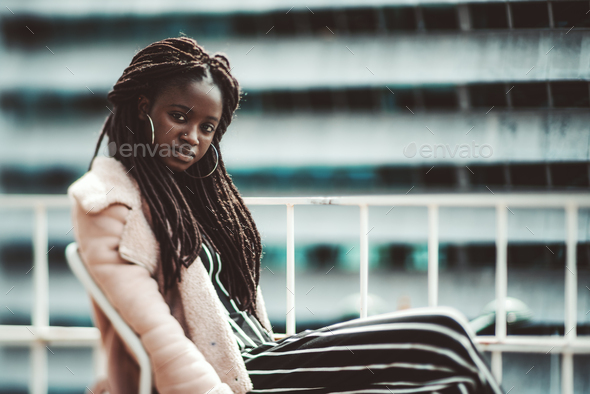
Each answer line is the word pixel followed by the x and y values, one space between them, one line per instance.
pixel 152 124
pixel 216 162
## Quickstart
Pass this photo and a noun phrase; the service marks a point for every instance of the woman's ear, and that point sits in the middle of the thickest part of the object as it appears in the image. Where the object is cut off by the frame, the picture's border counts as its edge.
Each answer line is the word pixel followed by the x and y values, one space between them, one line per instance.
pixel 143 105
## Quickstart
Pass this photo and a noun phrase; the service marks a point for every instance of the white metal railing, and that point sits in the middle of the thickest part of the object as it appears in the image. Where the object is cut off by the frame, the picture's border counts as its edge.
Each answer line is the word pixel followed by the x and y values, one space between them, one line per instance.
pixel 39 334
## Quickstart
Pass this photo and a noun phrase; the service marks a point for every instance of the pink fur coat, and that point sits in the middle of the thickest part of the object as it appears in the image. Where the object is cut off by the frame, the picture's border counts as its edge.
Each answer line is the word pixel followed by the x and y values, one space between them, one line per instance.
pixel 191 345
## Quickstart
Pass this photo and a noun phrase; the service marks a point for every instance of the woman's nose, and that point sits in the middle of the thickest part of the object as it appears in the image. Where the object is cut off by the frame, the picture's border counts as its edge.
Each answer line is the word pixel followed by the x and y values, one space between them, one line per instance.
pixel 191 136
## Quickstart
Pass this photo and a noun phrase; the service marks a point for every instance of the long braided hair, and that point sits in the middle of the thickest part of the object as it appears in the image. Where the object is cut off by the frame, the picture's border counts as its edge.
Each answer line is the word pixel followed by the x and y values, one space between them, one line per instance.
pixel 183 208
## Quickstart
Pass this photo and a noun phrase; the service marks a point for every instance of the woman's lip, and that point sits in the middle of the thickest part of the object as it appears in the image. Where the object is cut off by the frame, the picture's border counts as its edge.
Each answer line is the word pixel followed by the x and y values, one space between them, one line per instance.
pixel 181 156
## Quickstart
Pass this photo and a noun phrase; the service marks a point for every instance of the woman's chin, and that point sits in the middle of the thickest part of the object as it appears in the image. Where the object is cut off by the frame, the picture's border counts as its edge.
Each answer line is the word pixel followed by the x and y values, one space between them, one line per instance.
pixel 176 165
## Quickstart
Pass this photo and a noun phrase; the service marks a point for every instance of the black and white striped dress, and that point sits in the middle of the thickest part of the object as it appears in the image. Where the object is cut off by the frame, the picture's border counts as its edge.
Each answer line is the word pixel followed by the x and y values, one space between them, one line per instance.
pixel 424 350
pixel 248 331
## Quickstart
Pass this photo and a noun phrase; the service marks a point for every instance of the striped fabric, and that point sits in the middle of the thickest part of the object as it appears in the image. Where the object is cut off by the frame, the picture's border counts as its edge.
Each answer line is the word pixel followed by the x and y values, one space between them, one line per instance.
pixel 426 350
pixel 248 331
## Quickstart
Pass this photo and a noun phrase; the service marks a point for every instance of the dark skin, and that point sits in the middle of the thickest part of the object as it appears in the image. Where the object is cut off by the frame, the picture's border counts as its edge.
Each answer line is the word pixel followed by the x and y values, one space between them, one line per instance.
pixel 183 133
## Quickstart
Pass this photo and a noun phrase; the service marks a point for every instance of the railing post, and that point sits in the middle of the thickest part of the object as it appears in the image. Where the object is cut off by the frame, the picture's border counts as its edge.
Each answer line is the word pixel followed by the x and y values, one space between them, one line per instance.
pixel 40 318
pixel 364 274
pixel 571 272
pixel 432 255
pixel 501 284
pixel 99 360
pixel 290 270
pixel 40 269
pixel 571 294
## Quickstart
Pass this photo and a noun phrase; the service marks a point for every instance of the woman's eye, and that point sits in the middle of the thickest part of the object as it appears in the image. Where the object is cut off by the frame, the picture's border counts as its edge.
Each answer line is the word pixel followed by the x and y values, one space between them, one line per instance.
pixel 178 116
pixel 209 128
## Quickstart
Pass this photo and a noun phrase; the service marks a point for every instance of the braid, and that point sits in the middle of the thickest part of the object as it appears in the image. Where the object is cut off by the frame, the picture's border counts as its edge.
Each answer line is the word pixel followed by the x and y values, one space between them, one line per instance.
pixel 183 208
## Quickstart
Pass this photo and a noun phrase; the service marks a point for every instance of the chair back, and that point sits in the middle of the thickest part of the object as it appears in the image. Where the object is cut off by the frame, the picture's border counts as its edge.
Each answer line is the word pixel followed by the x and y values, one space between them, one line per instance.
pixel 125 332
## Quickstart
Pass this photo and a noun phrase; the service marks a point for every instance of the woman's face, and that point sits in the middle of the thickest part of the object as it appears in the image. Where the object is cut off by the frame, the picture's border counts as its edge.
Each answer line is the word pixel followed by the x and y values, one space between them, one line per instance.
pixel 185 120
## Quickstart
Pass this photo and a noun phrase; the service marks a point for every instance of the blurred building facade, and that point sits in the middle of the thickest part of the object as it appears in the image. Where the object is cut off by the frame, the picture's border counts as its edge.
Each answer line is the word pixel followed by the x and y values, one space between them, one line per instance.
pixel 385 97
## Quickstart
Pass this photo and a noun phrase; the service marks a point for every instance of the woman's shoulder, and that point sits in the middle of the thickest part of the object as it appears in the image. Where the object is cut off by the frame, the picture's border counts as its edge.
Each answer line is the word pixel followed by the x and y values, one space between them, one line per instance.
pixel 109 199
pixel 108 182
pixel 99 234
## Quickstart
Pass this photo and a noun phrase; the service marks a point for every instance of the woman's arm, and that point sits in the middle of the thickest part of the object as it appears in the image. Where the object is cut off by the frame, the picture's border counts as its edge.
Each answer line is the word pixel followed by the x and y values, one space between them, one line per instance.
pixel 178 366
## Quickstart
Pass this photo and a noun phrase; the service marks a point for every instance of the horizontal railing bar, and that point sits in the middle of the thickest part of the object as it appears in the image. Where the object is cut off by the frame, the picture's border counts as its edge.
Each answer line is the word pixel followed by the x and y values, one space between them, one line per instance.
pixel 64 336
pixel 522 200
pixel 534 344
pixel 89 336
pixel 30 200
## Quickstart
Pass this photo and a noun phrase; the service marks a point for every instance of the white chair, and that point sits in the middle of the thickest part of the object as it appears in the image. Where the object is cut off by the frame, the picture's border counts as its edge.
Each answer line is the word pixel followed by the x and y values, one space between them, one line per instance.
pixel 124 331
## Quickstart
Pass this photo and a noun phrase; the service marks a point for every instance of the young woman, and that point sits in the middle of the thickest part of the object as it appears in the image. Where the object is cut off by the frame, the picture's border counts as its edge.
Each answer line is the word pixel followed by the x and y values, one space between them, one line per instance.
pixel 167 237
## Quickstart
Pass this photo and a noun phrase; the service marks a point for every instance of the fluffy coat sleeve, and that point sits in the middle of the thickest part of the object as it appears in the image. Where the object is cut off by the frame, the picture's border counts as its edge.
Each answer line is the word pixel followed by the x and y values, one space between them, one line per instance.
pixel 178 366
